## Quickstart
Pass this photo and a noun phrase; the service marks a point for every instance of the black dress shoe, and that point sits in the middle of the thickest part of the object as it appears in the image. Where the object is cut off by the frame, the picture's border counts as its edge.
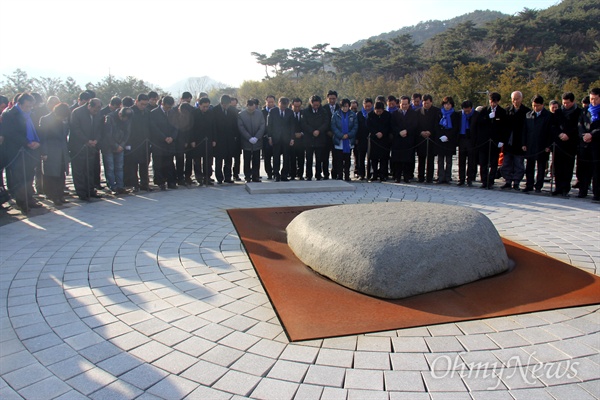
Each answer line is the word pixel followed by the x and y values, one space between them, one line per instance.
pixel 228 181
pixel 507 185
pixel 84 198
pixel 309 179
pixel 556 192
pixel 162 187
pixel 172 186
pixel 285 180
pixel 277 178
pixel 35 204
pixel 237 178
pixel 527 189
pixel 582 195
pixel 301 178
pixel 256 180
pixel 96 195
pixel 469 184
pixel 538 190
pixel 516 186
pixel 484 186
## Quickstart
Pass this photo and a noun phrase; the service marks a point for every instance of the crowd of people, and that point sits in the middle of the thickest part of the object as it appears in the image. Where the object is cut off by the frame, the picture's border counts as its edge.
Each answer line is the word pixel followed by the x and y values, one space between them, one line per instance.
pixel 41 142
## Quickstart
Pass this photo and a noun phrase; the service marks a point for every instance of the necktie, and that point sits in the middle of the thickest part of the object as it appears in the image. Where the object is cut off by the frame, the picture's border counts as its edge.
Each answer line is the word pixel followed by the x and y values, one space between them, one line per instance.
pixel 281 112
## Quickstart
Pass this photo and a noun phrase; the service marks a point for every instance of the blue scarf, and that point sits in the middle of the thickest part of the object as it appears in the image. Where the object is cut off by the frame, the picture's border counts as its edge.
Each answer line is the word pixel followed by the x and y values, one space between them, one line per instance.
pixel 345 128
pixel 31 133
pixel 391 110
pixel 595 112
pixel 466 122
pixel 365 113
pixel 415 108
pixel 446 121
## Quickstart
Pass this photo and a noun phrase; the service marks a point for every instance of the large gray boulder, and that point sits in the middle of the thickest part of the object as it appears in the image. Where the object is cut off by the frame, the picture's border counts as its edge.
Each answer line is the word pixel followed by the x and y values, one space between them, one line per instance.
pixel 396 250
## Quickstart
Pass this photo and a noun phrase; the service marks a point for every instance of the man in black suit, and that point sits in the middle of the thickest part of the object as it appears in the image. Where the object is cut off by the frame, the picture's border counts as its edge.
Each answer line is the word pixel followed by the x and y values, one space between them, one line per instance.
pixel 298 149
pixel 86 131
pixel 202 143
pixel 267 149
pixel 280 128
pixel 539 129
pixel 137 148
pixel 315 125
pixel 404 130
pixel 428 123
pixel 164 134
pixel 226 137
pixel 492 133
pixel 331 107
pixel 513 164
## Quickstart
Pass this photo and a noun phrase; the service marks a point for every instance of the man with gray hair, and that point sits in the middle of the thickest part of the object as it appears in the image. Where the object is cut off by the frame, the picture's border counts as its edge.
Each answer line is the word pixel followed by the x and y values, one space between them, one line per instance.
pixel 513 164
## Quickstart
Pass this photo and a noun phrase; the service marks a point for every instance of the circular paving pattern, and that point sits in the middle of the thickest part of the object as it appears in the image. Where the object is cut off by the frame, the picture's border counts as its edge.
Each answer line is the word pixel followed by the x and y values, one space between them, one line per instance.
pixel 154 296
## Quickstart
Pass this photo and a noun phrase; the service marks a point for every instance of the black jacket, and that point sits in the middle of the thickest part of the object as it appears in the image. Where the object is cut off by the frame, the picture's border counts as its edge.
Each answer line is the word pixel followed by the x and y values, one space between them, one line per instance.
pixel 516 119
pixel 161 128
pixel 315 121
pixel 403 148
pixel 280 129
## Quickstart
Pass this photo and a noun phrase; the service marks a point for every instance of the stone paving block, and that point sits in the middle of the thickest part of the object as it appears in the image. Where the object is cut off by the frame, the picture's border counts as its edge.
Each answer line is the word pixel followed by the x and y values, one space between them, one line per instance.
pixel 450 396
pixel 117 390
pixel 204 373
pixel 409 344
pixel 408 362
pixel 367 343
pixel 274 389
pixel 42 342
pixel 448 381
pixel 91 380
pixel 120 363
pixel 477 342
pixel 144 376
pixel 300 353
pixel 308 392
pixel 239 323
pixel 531 394
pixel 403 381
pixel 341 343
pixel 175 362
pixel 443 344
pixel 364 379
pixel 203 393
pixel 213 332
pixel 508 339
pixel 408 396
pixel 371 360
pixel 237 383
pixel 335 357
pixel 253 364
pixel 46 389
pixel 150 351
pixel 173 387
pixel 444 330
pixel 195 346
pixel 326 376
pixel 171 336
pixel 16 361
pixel 26 376
pixel 31 331
pixel 239 340
pixel 288 371
pixel 267 348
pixel 331 393
pixel 129 340
pixel 563 331
pixel 546 353
pixel 190 323
pixel 222 355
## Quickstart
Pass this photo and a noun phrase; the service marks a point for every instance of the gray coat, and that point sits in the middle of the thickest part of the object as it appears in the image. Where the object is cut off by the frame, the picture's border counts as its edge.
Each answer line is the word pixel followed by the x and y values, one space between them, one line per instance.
pixel 251 125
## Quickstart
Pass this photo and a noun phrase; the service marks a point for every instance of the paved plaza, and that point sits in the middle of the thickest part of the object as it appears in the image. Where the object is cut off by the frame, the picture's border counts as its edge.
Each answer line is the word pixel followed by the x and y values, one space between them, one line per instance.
pixel 152 296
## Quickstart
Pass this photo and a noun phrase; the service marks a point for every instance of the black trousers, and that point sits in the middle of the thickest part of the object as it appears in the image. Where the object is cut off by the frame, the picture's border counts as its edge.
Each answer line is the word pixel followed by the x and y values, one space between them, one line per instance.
pixel 318 154
pixel 83 164
pixel 281 149
pixel 268 158
pixel 341 164
pixel 164 169
pixel 488 163
pixel 137 161
pixel 467 160
pixel 252 165
pixel 564 162
pixel 403 169
pixel 325 154
pixel 360 156
pixel 538 162
pixel 297 161
pixel 223 166
pixel 19 176
pixel 426 157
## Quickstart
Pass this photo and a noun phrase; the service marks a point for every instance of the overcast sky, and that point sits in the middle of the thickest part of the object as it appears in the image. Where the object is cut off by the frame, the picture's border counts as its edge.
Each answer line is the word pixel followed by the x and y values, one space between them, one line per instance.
pixel 163 42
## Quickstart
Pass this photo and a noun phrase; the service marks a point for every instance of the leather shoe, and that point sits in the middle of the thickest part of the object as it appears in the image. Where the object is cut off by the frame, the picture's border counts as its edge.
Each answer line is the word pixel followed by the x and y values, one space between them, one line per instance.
pixel 228 181
pixel 163 187
pixel 507 185
pixel 172 186
pixel 96 195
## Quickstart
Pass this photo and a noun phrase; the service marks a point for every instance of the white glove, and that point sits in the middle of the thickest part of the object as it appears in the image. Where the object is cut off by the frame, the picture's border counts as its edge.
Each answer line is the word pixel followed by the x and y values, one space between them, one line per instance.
pixel 493 114
pixel 253 140
pixel 500 144
pixel 444 138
